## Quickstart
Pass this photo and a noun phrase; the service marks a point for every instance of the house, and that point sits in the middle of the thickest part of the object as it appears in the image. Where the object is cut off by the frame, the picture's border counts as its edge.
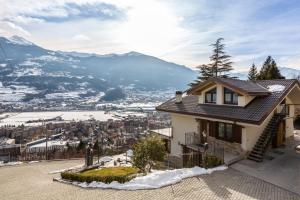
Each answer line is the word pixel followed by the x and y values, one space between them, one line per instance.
pixel 244 118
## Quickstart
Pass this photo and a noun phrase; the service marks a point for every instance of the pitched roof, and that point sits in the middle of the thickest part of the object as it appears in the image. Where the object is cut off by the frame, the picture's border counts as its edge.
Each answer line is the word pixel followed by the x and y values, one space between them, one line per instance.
pixel 241 86
pixel 255 112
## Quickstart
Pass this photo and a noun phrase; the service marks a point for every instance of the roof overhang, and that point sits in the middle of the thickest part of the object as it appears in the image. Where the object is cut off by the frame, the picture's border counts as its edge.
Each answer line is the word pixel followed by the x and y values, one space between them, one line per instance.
pixel 197 89
pixel 253 122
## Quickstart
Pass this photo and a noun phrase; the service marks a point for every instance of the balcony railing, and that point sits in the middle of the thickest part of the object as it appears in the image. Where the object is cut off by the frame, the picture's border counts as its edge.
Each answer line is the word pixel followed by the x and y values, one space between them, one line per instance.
pixel 192 138
pixel 194 142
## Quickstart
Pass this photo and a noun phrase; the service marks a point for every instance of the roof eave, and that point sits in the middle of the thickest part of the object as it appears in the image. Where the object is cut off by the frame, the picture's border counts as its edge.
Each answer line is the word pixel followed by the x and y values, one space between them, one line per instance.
pixel 211 116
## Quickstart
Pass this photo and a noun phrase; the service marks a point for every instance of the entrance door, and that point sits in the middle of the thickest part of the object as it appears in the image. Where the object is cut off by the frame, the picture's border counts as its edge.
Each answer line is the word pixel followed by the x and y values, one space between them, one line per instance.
pixel 204 130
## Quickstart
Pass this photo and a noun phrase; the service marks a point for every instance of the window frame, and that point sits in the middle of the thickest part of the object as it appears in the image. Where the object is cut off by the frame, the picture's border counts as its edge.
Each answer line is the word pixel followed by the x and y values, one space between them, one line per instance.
pixel 211 94
pixel 232 94
pixel 225 133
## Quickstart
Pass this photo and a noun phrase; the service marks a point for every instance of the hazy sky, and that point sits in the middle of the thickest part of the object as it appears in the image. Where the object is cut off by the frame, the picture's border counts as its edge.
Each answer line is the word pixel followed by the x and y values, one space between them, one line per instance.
pixel 175 30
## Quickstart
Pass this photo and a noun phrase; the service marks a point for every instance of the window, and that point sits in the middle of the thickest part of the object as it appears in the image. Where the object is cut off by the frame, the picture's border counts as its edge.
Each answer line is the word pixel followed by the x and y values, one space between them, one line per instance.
pixel 211 96
pixel 225 131
pixel 221 130
pixel 230 97
pixel 229 130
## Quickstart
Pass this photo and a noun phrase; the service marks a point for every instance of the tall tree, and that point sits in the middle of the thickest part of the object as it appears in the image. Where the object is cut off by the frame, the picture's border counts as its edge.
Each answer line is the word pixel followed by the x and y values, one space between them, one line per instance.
pixel 274 72
pixel 270 70
pixel 264 69
pixel 252 75
pixel 220 64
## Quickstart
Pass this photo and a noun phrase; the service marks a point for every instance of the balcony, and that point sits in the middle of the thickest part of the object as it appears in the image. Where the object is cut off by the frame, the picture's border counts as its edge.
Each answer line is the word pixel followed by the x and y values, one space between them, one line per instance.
pixel 197 143
pixel 194 141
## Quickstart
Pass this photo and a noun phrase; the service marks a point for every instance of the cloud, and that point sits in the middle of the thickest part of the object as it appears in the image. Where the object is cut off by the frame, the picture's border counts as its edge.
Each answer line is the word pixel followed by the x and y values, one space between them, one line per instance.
pixel 81 37
pixel 75 11
pixel 24 20
pixel 15 28
pixel 175 30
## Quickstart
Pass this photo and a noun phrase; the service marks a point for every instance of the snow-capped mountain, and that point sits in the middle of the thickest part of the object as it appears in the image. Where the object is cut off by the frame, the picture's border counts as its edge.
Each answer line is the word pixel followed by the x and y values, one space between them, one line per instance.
pixel 29 72
pixel 56 74
pixel 19 40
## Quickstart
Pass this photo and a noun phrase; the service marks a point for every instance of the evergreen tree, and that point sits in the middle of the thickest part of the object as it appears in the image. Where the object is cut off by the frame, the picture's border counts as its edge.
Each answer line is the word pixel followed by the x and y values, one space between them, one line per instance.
pixel 270 70
pixel 220 64
pixel 265 68
pixel 274 72
pixel 252 75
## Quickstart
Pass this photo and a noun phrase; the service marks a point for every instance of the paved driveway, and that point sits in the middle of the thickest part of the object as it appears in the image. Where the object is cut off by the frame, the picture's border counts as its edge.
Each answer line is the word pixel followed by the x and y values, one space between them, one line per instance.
pixel 283 170
pixel 33 181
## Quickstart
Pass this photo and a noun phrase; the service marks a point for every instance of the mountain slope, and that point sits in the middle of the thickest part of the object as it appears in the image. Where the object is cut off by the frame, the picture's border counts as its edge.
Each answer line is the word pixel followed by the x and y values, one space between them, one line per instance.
pixel 56 74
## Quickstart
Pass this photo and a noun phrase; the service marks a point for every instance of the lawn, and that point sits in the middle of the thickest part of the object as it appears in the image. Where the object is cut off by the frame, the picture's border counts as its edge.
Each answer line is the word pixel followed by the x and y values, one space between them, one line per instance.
pixel 106 175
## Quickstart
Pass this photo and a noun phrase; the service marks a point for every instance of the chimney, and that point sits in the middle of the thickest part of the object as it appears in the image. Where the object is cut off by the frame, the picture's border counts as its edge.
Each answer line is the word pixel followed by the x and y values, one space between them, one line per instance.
pixel 178 97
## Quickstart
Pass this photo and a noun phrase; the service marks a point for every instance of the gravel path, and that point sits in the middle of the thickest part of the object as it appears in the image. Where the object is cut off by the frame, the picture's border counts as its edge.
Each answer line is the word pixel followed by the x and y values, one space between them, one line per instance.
pixel 33 181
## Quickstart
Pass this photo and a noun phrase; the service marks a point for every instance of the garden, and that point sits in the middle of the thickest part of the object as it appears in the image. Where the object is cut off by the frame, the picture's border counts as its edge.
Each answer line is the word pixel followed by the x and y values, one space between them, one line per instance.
pixel 144 171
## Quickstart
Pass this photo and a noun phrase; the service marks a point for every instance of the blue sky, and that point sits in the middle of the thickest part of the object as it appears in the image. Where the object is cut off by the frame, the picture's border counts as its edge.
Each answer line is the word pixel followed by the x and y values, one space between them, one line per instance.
pixel 174 30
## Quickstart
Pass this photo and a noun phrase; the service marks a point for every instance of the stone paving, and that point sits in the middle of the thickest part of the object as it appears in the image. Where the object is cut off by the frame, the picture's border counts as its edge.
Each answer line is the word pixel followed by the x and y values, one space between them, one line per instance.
pixel 33 181
pixel 285 164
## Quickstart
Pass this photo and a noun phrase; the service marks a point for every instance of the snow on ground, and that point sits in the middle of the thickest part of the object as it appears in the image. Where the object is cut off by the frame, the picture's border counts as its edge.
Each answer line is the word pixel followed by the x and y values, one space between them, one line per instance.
pixel 156 179
pixel 19 40
pixel 63 170
pixel 96 98
pixel 105 159
pixel 50 144
pixel 22 118
pixel 63 95
pixel 30 63
pixel 10 163
pixel 276 88
pixel 15 93
pixel 35 161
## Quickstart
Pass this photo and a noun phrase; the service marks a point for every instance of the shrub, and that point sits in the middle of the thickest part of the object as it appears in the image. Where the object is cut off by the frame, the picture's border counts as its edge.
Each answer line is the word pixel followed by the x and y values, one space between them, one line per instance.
pixel 105 175
pixel 147 151
pixel 211 161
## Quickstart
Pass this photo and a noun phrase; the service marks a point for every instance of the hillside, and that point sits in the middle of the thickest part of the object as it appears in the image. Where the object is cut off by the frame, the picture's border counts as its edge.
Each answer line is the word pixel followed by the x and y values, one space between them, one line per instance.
pixel 32 72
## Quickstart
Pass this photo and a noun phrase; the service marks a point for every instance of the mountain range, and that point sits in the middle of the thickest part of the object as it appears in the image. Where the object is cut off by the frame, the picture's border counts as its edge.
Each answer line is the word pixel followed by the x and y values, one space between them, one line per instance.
pixel 52 74
pixel 28 71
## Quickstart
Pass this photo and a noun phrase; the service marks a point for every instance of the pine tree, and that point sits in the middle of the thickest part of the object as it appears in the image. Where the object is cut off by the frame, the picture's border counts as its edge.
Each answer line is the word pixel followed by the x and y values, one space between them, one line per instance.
pixel 274 72
pixel 252 75
pixel 270 70
pixel 264 69
pixel 220 64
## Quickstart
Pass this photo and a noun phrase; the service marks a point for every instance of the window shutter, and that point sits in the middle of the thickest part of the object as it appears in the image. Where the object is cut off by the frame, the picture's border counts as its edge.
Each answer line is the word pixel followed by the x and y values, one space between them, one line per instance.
pixel 238 134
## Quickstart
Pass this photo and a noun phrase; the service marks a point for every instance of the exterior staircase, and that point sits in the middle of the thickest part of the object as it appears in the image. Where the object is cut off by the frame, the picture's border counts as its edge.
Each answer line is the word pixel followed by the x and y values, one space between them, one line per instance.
pixel 265 139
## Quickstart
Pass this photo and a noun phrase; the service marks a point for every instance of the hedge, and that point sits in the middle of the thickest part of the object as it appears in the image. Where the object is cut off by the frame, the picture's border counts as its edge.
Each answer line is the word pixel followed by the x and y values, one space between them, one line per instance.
pixel 105 175
pixel 211 161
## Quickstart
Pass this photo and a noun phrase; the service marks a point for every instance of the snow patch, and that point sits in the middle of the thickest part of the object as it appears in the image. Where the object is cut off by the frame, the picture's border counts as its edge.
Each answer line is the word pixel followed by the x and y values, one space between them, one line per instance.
pixel 19 40
pixel 35 161
pixel 63 170
pixel 105 159
pixel 27 72
pixel 63 95
pixel 10 163
pixel 154 180
pixel 276 88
